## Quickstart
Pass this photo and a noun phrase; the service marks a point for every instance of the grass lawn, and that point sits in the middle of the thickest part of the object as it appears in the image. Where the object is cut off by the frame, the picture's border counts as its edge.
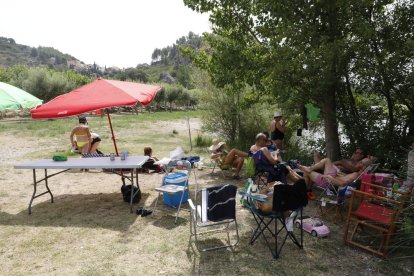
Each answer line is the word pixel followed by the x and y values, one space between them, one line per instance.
pixel 89 230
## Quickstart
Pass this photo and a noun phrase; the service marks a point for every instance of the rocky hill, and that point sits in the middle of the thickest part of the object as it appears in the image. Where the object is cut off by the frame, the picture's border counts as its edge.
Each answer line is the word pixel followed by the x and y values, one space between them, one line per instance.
pixel 12 53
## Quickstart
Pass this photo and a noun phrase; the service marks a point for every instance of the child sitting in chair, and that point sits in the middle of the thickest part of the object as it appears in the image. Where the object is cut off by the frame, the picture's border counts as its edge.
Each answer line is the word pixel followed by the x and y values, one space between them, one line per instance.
pixel 150 164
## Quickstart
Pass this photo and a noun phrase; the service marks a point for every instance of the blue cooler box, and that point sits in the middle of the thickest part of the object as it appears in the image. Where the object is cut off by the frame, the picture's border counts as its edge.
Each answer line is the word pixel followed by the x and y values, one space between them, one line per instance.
pixel 175 179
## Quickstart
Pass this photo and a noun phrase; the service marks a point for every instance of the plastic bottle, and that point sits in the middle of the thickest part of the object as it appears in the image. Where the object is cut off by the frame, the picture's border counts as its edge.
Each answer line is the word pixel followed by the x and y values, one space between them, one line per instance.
pixel 389 192
pixel 395 187
pixel 254 188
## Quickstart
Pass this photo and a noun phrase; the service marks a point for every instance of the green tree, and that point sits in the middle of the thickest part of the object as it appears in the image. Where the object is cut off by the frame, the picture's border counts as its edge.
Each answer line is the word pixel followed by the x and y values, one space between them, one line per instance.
pixel 183 76
pixel 160 97
pixel 173 93
pixel 33 52
pixel 307 50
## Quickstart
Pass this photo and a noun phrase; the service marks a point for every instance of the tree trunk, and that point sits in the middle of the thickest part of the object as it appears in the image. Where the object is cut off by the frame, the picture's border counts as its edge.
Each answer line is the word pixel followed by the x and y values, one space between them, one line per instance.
pixel 328 108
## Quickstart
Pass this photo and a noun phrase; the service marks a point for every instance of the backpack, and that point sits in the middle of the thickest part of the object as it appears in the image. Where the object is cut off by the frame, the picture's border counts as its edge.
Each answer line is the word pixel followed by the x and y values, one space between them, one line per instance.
pixel 126 193
pixel 250 166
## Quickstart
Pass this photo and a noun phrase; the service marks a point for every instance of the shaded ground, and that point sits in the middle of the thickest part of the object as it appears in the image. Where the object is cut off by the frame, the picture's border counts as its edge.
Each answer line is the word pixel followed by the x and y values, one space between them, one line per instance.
pixel 90 231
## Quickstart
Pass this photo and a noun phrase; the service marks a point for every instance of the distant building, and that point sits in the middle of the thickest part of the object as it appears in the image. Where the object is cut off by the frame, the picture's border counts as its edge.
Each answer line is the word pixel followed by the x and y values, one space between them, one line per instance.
pixel 76 65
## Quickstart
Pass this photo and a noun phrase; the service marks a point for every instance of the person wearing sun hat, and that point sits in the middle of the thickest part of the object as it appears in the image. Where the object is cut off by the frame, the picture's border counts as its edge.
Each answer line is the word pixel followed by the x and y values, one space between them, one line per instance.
pixel 214 145
pixel 233 158
pixel 277 130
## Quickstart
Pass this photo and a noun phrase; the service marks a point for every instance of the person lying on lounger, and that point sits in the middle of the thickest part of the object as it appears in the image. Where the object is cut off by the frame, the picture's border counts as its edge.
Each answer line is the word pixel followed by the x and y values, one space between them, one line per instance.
pixel 330 173
pixel 346 165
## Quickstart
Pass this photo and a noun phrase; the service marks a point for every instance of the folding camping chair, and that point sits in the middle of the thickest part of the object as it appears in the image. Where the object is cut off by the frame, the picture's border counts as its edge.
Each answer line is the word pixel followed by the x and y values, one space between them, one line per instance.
pixel 218 163
pixel 214 211
pixel 171 189
pixel 377 217
pixel 332 198
pixel 285 197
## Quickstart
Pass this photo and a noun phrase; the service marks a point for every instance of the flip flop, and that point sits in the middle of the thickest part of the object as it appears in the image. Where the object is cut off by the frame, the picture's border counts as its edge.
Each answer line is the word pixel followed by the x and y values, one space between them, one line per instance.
pixel 146 213
pixel 311 196
pixel 139 211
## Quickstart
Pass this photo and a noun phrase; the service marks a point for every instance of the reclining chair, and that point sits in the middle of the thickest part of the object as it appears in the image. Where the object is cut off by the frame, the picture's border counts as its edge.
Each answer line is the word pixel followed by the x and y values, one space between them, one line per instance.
pixel 332 199
pixel 285 198
pixel 214 211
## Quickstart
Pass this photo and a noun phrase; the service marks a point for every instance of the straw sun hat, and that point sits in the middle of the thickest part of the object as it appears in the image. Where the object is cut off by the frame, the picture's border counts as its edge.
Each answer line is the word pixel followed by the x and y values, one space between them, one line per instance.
pixel 216 145
pixel 277 114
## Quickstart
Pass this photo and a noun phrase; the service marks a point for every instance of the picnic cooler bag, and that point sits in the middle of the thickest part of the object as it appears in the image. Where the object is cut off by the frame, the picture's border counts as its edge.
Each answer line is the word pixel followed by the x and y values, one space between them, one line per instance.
pixel 175 179
pixel 375 178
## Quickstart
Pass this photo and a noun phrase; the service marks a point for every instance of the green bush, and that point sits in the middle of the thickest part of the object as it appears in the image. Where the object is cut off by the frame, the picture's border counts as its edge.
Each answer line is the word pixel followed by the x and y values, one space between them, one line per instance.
pixel 202 141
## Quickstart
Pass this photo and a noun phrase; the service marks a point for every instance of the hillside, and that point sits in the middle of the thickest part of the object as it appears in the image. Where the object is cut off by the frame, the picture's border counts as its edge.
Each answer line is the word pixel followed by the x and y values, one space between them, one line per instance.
pixel 168 64
pixel 12 53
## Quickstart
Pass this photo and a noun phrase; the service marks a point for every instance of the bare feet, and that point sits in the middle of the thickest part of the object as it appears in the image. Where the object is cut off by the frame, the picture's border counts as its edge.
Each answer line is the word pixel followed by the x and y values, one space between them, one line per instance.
pixel 316 156
pixel 304 168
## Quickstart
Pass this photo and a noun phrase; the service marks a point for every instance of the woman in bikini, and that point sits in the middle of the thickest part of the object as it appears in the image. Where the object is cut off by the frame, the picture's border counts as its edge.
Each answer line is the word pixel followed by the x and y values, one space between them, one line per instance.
pixel 277 130
pixel 82 135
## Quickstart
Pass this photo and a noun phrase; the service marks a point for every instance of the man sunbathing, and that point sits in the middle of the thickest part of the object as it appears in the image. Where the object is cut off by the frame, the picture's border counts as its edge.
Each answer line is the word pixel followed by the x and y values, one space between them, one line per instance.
pixel 345 165
pixel 330 173
pixel 233 158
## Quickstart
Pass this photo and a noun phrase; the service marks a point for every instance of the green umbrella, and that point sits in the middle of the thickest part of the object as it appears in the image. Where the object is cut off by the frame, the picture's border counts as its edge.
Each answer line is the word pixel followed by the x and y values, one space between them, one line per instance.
pixel 12 97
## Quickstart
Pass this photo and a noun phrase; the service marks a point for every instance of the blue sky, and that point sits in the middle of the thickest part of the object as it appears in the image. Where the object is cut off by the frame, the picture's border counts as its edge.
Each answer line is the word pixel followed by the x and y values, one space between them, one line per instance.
pixel 118 33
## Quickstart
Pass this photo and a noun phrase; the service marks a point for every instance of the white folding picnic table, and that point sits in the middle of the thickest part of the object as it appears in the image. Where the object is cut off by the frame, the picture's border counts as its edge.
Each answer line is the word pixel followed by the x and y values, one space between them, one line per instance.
pixel 133 163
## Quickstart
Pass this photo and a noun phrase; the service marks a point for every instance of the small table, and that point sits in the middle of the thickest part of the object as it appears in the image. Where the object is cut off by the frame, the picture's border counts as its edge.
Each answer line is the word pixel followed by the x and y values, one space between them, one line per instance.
pixel 131 162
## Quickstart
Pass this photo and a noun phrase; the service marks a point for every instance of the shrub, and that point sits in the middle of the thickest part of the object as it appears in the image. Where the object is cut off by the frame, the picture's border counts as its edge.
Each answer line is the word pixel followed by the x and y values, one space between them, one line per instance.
pixel 202 141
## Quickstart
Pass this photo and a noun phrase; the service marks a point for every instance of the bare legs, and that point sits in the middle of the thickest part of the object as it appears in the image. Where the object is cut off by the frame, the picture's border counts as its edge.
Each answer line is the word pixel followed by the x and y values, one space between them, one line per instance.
pixel 236 158
pixel 84 149
pixel 94 147
pixel 310 176
pixel 316 157
pixel 292 175
pixel 279 144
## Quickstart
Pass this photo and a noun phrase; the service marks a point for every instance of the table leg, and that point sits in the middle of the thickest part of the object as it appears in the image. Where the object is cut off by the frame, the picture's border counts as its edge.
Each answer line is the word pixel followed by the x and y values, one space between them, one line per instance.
pixel 132 187
pixel 132 190
pixel 35 182
pixel 34 191
pixel 47 187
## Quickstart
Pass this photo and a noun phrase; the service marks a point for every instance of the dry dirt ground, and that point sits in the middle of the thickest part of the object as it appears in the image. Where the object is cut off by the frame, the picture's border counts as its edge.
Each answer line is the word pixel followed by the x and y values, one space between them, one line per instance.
pixel 89 230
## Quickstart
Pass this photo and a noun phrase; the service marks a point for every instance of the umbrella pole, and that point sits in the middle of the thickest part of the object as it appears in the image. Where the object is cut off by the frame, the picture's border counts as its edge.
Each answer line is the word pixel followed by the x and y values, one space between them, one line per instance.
pixel 112 132
pixel 116 148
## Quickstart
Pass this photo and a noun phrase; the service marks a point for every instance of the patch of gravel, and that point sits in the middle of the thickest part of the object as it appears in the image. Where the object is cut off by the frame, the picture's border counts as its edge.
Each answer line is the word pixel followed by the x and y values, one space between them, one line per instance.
pixel 15 147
